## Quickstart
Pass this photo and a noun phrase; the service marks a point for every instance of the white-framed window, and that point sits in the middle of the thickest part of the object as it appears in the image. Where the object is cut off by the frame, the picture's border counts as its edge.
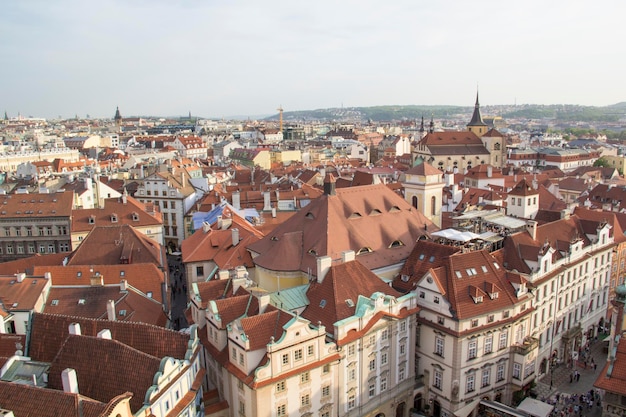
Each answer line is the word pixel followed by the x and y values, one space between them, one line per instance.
pixel 486 377
pixel 305 400
pixel 242 407
pixel 305 377
pixel 471 349
pixel 372 365
pixel 372 389
pixel 403 326
pixel 280 386
pixel 297 355
pixel 384 335
pixel 351 401
pixel 383 358
pixel 281 410
pixel 439 345
pixel 285 358
pixel 504 336
pixel 310 350
pixel 351 374
pixel 326 391
pixel 470 383
pixel 383 384
pixel 517 371
pixel 326 369
pixel 401 373
pixel 351 350
pixel 500 372
pixel 402 349
pixel 489 344
pixel 437 379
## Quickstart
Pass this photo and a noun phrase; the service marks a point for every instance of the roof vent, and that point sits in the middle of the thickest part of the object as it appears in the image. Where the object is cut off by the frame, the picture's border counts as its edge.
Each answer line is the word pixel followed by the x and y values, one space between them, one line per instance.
pixel 323 303
pixel 349 302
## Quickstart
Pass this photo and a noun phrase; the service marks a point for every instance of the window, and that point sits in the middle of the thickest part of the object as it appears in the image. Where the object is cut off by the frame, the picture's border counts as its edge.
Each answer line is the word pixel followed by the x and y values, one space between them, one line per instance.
pixel 490 318
pixel 439 345
pixel 403 326
pixel 437 379
pixel 441 320
pixel 242 407
pixel 10 249
pixel 517 370
pixel 436 300
pixel 285 359
pixel 351 350
pixel 384 335
pixel 280 387
pixel 383 384
pixel 173 205
pixel 471 352
pixel 383 358
pixel 474 322
pixel 310 350
pixel 281 410
pixel 351 374
pixel 422 294
pixel 297 355
pixel 305 400
pixel 503 340
pixel 326 369
pixel 20 248
pixel 372 365
pixel 326 391
pixel 372 340
pixel 305 377
pixel 241 359
pixel 402 349
pixel 401 373
pixel 51 248
pixel 29 231
pixel 372 389
pixel 488 344
pixel 500 372
pixel 470 383
pixel 199 271
pixel 351 401
pixel 486 377
pixel 31 248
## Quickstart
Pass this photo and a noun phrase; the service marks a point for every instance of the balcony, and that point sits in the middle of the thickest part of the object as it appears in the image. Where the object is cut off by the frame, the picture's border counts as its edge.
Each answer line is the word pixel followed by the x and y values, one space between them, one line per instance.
pixel 529 344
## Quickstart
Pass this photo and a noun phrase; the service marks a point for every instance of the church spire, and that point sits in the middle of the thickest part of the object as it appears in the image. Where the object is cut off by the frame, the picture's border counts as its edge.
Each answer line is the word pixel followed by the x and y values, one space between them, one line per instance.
pixel 118 116
pixel 431 127
pixel 422 126
pixel 477 119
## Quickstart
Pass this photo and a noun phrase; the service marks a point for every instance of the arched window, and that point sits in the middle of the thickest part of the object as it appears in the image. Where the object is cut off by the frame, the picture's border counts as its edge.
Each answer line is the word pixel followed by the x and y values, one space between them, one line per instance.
pixel 433 209
pixel 414 201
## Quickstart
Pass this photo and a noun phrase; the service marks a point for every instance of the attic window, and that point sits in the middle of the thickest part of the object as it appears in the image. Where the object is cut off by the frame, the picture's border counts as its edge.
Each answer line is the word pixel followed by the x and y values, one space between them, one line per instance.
pixel 122 312
pixel 349 302
pixel 323 303
pixel 81 302
pixel 355 215
pixel 484 268
pixel 15 305
pixel 471 271
pixel 92 219
pixel 54 302
pixel 309 215
pixel 396 243
pixel 478 299
pixel 422 256
pixel 135 217
pixel 274 238
pixel 404 278
pixel 493 295
pixel 113 218
pixel 149 294
pixel 496 265
pixel 375 212
pixel 79 274
pixel 122 273
pixel 313 252
pixel 431 259
pixel 394 209
pixel 364 250
pixel 458 274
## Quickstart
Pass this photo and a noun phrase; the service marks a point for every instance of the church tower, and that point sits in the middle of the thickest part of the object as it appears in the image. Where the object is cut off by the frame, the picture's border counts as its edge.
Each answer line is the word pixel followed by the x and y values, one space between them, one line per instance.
pixel 423 189
pixel 476 125
pixel 118 117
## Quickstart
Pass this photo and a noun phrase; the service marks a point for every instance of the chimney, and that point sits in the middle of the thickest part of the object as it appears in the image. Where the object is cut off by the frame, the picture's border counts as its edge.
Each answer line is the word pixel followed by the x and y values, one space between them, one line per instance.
pixel 237 282
pixel 97 280
pixel 347 256
pixel 125 196
pixel 565 214
pixel 104 334
pixel 329 184
pixel 206 226
pixel 264 301
pixel 235 234
pixel 531 228
pixel 123 285
pixel 74 328
pixel 274 212
pixel 69 380
pixel 182 179
pixel 20 277
pixel 237 200
pixel 266 201
pixel 111 310
pixel 489 171
pixel 223 274
pixel 219 222
pixel 47 275
pixel 323 265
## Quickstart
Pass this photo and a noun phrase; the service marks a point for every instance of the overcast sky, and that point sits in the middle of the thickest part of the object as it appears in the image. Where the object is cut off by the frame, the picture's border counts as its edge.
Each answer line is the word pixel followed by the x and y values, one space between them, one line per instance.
pixel 229 57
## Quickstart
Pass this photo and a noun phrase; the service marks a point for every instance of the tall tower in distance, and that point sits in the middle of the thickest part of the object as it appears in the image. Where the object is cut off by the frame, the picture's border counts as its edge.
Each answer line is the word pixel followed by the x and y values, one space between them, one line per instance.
pixel 118 118
pixel 476 125
pixel 280 118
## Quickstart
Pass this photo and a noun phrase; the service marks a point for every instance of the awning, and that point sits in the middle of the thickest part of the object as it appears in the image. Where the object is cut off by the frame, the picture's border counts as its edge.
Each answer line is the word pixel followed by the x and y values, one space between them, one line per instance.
pixel 535 408
pixel 467 409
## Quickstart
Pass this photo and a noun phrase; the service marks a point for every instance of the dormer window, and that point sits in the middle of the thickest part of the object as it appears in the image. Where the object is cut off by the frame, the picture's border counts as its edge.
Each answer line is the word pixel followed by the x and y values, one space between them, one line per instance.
pixel 135 217
pixel 113 218
pixel 493 295
pixel 364 250
pixel 92 219
pixel 396 244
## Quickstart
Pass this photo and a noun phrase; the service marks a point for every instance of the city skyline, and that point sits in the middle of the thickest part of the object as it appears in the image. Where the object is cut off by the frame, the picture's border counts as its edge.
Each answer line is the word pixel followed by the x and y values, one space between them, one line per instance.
pixel 248 58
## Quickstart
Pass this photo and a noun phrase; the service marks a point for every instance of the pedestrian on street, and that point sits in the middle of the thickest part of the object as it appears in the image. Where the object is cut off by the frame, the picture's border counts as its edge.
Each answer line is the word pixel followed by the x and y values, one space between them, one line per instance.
pixel 571 377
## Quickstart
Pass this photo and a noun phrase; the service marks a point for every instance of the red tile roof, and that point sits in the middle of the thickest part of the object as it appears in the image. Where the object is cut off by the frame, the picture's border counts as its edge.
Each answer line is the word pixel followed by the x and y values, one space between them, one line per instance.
pixel 614 383
pixel 355 218
pixel 36 205
pixel 133 213
pixel 21 296
pixel 425 255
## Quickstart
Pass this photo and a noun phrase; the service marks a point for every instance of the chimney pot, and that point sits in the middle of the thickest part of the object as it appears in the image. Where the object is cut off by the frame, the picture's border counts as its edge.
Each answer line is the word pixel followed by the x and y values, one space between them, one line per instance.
pixel 21 276
pixel 347 256
pixel 111 310
pixel 323 266
pixel 235 235
pixel 69 380
pixel 104 334
pixel 74 328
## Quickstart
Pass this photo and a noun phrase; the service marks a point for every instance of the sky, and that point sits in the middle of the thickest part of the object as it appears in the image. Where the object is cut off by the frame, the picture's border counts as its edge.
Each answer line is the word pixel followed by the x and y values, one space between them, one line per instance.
pixel 249 57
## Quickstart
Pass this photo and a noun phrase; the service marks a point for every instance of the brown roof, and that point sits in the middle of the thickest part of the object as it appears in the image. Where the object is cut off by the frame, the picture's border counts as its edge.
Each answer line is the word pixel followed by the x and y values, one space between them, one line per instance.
pixel 425 255
pixel 614 383
pixel 10 343
pixel 261 328
pixel 49 331
pixel 355 218
pixel 328 300
pixel 27 264
pixel 451 138
pixel 523 188
pixel 133 213
pixel 21 296
pixel 117 244
pixel 144 277
pixel 424 169
pixel 25 400
pixel 108 375
pixel 36 205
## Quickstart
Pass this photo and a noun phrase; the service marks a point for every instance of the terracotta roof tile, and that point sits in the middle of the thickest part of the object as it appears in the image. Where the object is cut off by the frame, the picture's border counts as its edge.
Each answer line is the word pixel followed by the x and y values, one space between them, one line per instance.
pixel 10 343
pixel 133 213
pixel 261 328
pixel 20 296
pixel 33 205
pixel 424 256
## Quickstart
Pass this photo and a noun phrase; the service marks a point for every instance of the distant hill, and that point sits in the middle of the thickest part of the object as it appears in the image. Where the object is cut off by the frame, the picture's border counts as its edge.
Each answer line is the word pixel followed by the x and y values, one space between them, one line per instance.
pixel 558 112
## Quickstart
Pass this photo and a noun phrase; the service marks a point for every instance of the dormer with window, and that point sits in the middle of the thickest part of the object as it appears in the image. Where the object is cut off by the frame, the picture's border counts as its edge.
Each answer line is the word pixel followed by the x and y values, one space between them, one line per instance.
pixel 92 219
pixel 135 217
pixel 113 218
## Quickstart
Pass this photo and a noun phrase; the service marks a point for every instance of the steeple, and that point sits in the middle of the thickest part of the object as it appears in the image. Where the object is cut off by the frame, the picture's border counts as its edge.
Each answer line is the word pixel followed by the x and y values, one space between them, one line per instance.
pixel 476 125
pixel 422 127
pixel 431 127
pixel 118 116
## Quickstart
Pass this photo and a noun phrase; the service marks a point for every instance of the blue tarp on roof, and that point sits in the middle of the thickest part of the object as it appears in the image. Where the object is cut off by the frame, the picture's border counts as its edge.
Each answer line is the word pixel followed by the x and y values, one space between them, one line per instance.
pixel 211 217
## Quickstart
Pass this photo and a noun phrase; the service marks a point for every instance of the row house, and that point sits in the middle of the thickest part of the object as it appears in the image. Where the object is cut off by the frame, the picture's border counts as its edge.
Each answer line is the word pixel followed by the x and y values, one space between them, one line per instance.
pixel 9 161
pixel 564 159
pixel 35 223
pixel 568 265
pixel 473 334
pixel 191 147
pixel 343 352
